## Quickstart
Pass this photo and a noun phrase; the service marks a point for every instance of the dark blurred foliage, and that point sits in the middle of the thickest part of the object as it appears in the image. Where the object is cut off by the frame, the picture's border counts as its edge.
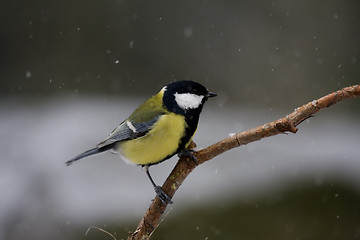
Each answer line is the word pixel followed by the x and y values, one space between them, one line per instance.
pixel 330 211
pixel 249 51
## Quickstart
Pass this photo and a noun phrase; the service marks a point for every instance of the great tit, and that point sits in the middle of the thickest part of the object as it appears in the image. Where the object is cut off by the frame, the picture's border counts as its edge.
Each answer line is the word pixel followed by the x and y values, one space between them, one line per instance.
pixel 161 127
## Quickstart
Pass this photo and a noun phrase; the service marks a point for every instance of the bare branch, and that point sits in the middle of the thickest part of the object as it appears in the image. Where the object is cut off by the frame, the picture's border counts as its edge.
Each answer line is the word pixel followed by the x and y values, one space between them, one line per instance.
pixel 184 166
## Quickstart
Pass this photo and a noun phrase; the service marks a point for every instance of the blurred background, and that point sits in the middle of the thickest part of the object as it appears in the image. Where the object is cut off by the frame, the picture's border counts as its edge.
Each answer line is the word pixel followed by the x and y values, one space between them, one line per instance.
pixel 70 72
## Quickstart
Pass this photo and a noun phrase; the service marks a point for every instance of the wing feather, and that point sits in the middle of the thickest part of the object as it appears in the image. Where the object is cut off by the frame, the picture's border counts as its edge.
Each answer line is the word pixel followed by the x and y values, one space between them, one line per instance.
pixel 128 130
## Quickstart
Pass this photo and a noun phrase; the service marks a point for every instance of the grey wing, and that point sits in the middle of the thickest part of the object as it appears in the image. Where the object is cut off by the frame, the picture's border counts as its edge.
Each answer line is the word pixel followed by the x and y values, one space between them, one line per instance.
pixel 128 130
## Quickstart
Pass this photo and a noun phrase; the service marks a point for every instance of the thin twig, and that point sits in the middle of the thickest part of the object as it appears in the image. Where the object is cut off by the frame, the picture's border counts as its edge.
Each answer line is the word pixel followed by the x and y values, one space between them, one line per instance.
pixel 101 230
pixel 185 166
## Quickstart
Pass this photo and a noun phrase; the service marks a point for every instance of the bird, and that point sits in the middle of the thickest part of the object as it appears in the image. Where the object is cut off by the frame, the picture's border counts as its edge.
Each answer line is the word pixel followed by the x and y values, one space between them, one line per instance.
pixel 164 125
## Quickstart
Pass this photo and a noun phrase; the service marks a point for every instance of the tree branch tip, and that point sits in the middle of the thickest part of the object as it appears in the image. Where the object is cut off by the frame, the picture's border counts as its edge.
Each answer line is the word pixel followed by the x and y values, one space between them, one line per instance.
pixel 292 128
pixel 192 145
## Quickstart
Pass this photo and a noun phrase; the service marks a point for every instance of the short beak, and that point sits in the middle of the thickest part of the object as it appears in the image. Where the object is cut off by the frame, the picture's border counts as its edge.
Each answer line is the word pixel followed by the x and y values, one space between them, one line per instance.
pixel 211 94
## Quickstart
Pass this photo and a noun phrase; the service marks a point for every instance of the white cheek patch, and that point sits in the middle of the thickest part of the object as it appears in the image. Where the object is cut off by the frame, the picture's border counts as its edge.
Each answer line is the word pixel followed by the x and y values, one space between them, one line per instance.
pixel 188 100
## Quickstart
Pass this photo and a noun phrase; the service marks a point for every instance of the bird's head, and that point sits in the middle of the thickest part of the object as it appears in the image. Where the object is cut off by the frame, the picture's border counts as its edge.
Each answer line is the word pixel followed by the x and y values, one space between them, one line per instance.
pixel 185 97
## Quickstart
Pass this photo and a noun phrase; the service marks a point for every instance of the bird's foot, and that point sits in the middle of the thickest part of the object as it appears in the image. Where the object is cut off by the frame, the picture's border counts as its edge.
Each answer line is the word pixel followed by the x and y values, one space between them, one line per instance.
pixel 165 199
pixel 189 153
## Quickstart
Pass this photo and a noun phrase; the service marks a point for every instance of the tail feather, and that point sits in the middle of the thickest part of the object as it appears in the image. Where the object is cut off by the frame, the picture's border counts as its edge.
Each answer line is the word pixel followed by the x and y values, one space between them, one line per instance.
pixel 87 153
pixel 90 152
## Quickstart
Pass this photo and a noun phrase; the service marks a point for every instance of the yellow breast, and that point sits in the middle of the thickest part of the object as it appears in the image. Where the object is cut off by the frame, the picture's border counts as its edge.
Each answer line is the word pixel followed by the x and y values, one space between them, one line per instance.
pixel 162 140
